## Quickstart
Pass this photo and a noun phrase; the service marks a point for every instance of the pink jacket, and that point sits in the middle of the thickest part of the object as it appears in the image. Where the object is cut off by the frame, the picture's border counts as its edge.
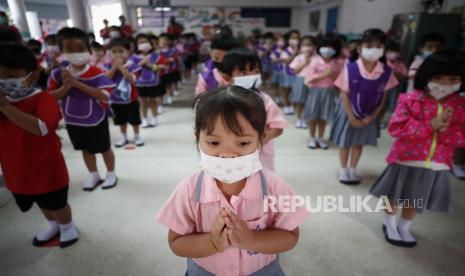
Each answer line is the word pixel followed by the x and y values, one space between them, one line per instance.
pixel 415 138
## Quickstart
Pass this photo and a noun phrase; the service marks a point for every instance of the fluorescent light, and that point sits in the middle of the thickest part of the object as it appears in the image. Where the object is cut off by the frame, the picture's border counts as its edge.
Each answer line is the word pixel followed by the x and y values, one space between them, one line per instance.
pixel 165 9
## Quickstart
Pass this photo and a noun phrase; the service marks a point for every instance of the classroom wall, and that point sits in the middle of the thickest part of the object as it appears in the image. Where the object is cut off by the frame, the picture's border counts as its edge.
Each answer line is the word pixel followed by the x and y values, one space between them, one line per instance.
pixel 316 5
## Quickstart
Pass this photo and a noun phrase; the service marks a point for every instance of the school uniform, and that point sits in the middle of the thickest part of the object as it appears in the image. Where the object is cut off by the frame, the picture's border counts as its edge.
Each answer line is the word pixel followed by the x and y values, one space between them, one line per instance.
pixel 209 79
pixel 288 76
pixel 148 83
pixel 171 73
pixel 421 158
pixel 265 59
pixel 33 166
pixel 124 98
pixel 197 199
pixel 299 89
pixel 366 91
pixel 398 68
pixel 320 103
pixel 85 116
pixel 278 66
pixel 274 120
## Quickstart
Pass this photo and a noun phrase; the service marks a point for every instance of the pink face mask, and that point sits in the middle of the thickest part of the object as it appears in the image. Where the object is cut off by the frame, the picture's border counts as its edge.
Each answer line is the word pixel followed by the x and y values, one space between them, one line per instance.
pixel 293 42
pixel 306 50
pixel 280 43
pixel 392 56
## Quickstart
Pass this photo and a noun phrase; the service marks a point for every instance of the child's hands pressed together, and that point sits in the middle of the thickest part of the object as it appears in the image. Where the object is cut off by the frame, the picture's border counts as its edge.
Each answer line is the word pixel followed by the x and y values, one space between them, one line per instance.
pixel 356 122
pixel 239 234
pixel 219 234
pixel 67 79
pixel 441 121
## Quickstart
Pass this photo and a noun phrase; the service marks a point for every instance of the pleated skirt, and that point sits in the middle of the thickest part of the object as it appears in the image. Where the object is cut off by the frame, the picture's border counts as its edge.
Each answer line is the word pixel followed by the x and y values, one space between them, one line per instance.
pixel 299 91
pixel 320 104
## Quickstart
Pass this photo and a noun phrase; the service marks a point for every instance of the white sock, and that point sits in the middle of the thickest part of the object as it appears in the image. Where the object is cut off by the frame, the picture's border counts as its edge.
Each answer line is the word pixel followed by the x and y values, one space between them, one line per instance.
pixel 391 229
pixel 404 230
pixel 51 231
pixel 136 136
pixel 68 232
pixel 124 135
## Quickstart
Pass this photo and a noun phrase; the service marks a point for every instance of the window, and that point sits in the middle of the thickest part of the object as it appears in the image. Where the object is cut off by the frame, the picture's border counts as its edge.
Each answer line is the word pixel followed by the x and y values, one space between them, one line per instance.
pixel 274 17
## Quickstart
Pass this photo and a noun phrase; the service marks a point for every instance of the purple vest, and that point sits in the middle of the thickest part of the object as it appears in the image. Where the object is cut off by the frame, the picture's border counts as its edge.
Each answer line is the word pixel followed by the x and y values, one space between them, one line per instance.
pixel 278 67
pixel 266 59
pixel 209 75
pixel 168 53
pixel 289 71
pixel 148 77
pixel 79 108
pixel 365 94
pixel 122 93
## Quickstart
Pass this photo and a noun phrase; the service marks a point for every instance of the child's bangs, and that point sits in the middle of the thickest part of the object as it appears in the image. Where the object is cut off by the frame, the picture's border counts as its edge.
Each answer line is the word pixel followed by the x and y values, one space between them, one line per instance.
pixel 225 111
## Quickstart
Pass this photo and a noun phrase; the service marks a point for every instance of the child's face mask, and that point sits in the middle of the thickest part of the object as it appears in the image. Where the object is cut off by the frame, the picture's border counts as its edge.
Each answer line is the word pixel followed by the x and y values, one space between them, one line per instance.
pixel 15 88
pixel 144 47
pixel 372 54
pixel 327 52
pixel 77 58
pixel 230 170
pixel 440 91
pixel 248 82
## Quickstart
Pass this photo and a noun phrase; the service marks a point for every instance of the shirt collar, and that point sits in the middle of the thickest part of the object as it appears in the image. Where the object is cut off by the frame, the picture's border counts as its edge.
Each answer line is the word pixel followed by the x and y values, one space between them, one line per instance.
pixel 377 70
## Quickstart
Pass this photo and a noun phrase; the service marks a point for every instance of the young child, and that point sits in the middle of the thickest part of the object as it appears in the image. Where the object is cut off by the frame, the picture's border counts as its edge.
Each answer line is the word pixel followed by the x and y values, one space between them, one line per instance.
pixel 84 91
pixel 35 47
pixel 428 124
pixel 148 84
pixel 299 89
pixel 242 67
pixel 320 76
pixel 363 85
pixel 98 57
pixel 211 78
pixel 264 52
pixel 124 98
pixel 30 151
pixel 288 54
pixel 171 73
pixel 430 43
pixel 278 66
pixel 217 219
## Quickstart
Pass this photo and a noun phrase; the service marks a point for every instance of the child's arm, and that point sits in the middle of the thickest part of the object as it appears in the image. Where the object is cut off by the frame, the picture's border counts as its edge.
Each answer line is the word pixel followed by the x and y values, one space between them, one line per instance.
pixel 64 89
pixel 127 75
pixel 268 241
pixel 369 119
pixel 111 73
pixel 89 90
pixel 24 120
pixel 348 109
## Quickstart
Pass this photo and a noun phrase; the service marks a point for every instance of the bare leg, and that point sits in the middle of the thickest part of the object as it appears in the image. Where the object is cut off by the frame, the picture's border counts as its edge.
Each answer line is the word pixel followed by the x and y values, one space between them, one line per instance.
pixel 144 107
pixel 312 128
pixel 344 156
pixel 109 159
pixel 90 160
pixel 62 216
pixel 321 128
pixel 355 156
pixel 123 129
pixel 298 110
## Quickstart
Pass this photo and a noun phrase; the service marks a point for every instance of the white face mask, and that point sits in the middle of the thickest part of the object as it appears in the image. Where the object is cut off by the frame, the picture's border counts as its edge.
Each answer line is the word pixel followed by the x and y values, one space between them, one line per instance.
pixel 372 54
pixel 144 47
pixel 77 58
pixel 327 52
pixel 439 91
pixel 248 81
pixel 230 170
pixel 15 88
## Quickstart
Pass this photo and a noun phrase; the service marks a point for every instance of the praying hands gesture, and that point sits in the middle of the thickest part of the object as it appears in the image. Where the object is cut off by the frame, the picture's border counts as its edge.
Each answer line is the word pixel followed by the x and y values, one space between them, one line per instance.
pixel 442 121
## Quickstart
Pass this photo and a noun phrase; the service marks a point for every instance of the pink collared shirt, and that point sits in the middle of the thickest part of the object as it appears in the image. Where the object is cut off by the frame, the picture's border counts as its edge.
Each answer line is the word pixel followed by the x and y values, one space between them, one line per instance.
pixel 202 84
pixel 342 82
pixel 318 67
pixel 183 215
pixel 300 61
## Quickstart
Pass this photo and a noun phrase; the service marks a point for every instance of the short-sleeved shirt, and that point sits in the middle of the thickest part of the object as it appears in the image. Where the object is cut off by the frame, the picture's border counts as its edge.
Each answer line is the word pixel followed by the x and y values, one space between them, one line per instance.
pixel 298 62
pixel 342 82
pixel 317 68
pixel 184 215
pixel 33 164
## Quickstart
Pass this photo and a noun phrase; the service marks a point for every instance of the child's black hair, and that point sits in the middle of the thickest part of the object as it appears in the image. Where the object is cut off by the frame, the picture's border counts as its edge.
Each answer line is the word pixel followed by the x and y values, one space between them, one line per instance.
pixel 225 103
pixel 51 39
pixel 166 35
pixel 372 35
pixel 330 41
pixel 393 46
pixel 17 56
pixel 138 37
pixel 119 41
pixel 432 37
pixel 309 37
pixel 224 41
pixel 239 58
pixel 153 37
pixel 269 35
pixel 287 36
pixel 96 45
pixel 35 46
pixel 70 33
pixel 8 35
pixel 441 63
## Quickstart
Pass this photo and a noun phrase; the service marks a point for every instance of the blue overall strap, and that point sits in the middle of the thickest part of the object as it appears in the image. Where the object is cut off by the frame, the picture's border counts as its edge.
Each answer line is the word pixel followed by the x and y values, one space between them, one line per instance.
pixel 263 182
pixel 198 187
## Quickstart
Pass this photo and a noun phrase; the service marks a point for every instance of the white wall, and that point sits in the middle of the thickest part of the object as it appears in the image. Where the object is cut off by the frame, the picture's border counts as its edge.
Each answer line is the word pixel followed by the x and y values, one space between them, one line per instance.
pixel 316 5
pixel 356 16
pixel 228 3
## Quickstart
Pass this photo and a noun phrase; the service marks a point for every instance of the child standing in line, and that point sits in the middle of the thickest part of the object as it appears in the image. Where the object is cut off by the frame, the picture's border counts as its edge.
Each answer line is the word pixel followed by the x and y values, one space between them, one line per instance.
pixel 211 78
pixel 430 43
pixel 216 217
pixel 264 52
pixel 171 73
pixel 363 85
pixel 288 54
pixel 148 83
pixel 242 67
pixel 428 124
pixel 278 66
pixel 124 98
pixel 299 89
pixel 98 57
pixel 84 91
pixel 30 151
pixel 320 76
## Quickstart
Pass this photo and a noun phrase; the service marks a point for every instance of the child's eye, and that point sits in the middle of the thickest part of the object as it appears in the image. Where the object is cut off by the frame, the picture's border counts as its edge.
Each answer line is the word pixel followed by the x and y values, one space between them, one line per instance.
pixel 243 144
pixel 213 143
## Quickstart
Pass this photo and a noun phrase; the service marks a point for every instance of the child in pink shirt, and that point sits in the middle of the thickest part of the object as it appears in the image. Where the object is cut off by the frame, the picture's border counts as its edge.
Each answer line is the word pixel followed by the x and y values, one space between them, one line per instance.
pixel 299 66
pixel 363 85
pixel 287 55
pixel 320 76
pixel 242 67
pixel 216 217
pixel 428 124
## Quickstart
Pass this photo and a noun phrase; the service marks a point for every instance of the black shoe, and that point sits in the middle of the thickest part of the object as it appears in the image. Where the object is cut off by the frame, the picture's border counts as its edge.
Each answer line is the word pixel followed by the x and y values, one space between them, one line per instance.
pixel 391 241
pixel 408 244
pixel 93 188
pixel 112 186
pixel 68 243
pixel 39 243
